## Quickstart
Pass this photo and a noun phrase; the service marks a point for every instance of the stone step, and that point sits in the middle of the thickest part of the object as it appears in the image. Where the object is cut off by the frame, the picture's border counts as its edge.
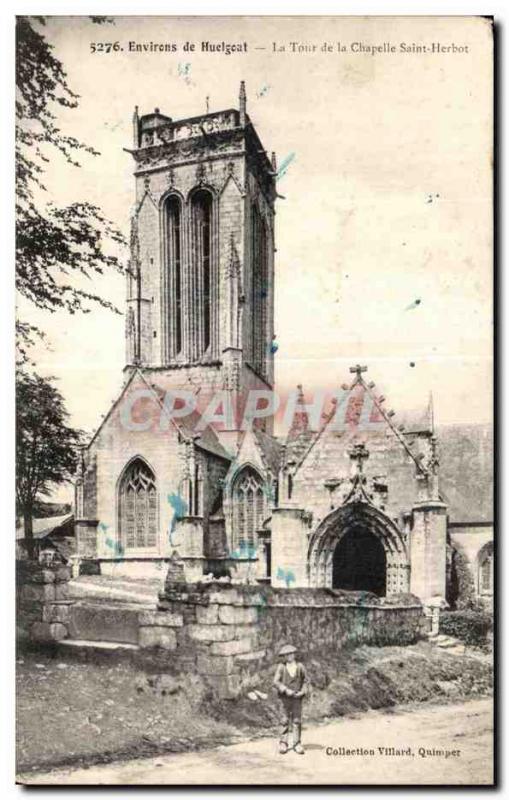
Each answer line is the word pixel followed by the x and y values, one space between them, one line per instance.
pixel 447 642
pixel 440 638
pixel 89 589
pixel 457 650
pixel 104 622
pixel 97 645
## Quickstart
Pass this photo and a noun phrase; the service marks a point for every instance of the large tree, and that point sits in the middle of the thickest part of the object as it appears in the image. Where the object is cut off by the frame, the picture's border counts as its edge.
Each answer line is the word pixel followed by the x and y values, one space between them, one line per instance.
pixel 53 244
pixel 46 447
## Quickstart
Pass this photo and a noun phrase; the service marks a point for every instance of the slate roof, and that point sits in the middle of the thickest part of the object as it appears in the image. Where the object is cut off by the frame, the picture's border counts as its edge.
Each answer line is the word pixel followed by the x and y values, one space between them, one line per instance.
pixel 45 526
pixel 271 448
pixel 207 439
pixel 466 471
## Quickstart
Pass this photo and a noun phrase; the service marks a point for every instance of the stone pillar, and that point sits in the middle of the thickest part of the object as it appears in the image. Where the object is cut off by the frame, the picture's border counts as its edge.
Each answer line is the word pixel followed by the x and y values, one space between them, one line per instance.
pixel 289 548
pixel 213 629
pixel 187 541
pixel 86 537
pixel 43 605
pixel 428 541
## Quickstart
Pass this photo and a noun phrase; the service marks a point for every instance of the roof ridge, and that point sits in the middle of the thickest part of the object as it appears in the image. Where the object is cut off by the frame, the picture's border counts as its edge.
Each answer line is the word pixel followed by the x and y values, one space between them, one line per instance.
pixel 388 419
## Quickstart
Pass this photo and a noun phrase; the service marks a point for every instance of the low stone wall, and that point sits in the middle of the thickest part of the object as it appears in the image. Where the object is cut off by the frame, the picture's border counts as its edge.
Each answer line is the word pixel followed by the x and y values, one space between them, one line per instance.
pixel 42 602
pixel 224 632
pixel 227 633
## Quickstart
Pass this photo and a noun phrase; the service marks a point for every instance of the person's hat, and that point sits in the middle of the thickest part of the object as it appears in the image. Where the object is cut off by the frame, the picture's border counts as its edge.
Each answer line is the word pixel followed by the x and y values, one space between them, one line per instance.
pixel 287 649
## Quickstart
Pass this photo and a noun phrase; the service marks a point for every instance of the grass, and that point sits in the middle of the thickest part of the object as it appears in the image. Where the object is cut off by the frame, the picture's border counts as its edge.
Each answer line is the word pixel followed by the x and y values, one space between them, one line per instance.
pixel 75 712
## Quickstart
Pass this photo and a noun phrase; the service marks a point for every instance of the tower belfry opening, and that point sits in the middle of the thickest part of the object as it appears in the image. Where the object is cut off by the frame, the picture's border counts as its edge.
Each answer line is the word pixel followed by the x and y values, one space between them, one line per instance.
pixel 203 241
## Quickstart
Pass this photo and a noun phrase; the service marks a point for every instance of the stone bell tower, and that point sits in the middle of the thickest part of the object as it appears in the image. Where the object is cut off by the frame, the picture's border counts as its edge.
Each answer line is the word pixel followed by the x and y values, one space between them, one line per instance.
pixel 200 293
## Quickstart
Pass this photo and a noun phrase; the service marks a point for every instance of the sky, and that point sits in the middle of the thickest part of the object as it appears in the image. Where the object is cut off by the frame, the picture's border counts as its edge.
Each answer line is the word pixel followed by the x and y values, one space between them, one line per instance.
pixel 384 231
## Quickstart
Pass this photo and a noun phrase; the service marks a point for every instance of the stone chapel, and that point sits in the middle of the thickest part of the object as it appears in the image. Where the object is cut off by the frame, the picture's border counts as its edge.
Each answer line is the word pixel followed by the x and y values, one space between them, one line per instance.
pixel 353 506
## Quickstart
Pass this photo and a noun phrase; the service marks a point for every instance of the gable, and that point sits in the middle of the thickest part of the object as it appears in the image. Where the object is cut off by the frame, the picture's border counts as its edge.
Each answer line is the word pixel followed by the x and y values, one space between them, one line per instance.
pixel 361 416
pixel 249 453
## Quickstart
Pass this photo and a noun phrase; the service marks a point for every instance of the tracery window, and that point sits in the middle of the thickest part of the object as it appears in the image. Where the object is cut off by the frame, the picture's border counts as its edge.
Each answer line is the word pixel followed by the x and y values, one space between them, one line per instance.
pixel 248 508
pixel 138 506
pixel 486 571
pixel 174 262
pixel 202 245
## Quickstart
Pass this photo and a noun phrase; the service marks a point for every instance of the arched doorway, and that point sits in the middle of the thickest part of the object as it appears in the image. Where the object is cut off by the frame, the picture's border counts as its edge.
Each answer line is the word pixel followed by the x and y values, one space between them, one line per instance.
pixel 359 563
pixel 485 567
pixel 357 546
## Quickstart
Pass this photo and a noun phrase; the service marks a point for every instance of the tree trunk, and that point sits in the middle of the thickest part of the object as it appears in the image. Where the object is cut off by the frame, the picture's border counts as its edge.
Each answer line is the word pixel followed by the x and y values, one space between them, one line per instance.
pixel 28 531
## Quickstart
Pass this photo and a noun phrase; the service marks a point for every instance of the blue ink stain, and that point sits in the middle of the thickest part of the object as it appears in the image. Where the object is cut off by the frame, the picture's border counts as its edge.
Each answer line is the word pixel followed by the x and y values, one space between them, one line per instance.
pixel 263 91
pixel 268 490
pixel 285 575
pixel 244 550
pixel 273 346
pixel 184 70
pixel 117 547
pixel 363 598
pixel 284 166
pixel 103 527
pixel 179 506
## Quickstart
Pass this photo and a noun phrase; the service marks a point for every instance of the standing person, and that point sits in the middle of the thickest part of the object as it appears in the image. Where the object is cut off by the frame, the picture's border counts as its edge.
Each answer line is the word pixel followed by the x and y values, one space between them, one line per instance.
pixel 290 681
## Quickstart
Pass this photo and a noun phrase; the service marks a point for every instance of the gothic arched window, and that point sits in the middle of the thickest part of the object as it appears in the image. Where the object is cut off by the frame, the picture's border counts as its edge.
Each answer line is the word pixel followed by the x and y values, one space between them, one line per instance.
pixel 248 509
pixel 174 262
pixel 486 570
pixel 202 247
pixel 138 506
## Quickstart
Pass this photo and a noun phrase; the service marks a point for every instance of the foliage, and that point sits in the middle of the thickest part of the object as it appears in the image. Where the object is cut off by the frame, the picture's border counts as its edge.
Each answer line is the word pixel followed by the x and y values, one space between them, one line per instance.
pixel 53 245
pixel 469 625
pixel 42 509
pixel 460 591
pixel 46 447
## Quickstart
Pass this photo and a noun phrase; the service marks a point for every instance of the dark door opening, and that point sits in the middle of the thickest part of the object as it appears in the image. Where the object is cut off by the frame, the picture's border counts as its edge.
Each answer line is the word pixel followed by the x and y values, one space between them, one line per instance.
pixel 359 563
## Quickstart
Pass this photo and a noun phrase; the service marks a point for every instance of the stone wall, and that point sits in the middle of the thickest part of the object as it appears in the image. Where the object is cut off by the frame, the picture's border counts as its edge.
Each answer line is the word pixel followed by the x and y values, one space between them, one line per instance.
pixel 228 632
pixel 42 602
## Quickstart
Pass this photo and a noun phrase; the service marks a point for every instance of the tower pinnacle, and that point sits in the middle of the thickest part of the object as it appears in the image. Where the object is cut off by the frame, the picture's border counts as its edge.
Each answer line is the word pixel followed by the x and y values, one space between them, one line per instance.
pixel 242 103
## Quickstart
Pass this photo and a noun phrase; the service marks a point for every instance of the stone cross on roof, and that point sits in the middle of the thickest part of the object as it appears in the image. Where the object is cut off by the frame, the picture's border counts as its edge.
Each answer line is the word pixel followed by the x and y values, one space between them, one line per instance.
pixel 358 369
pixel 359 453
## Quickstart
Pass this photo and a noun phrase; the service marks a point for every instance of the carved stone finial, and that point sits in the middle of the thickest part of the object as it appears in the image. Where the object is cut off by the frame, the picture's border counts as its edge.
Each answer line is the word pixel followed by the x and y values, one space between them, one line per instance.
pixel 358 369
pixel 80 466
pixel 434 461
pixel 136 131
pixel 242 103
pixel 300 421
pixel 431 413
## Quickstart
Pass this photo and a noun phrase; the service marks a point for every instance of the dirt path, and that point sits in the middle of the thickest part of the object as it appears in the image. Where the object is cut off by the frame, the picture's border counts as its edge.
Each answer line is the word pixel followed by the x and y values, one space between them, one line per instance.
pixel 463 734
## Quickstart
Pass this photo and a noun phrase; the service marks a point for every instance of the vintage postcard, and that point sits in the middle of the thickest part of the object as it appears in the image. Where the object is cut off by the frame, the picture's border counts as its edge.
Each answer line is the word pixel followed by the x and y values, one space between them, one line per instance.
pixel 255 524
